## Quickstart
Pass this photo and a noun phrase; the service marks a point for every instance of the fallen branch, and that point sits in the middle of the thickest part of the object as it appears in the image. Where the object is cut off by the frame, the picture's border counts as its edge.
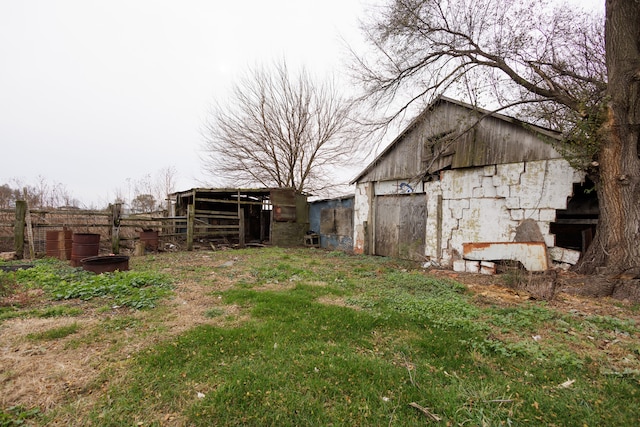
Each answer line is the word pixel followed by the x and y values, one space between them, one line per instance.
pixel 408 366
pixel 426 412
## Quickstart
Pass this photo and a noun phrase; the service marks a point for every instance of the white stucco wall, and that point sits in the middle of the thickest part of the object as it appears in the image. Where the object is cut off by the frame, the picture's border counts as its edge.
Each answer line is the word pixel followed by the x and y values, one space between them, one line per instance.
pixel 484 204
pixel 361 209
pixel 487 204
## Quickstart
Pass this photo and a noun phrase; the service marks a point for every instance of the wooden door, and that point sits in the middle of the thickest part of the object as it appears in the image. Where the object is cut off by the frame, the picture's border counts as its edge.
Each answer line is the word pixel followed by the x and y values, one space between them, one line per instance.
pixel 400 226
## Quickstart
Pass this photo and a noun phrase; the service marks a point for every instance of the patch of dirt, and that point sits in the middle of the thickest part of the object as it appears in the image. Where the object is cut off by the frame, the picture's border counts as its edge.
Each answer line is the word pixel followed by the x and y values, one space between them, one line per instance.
pixel 36 373
pixel 337 301
pixel 571 292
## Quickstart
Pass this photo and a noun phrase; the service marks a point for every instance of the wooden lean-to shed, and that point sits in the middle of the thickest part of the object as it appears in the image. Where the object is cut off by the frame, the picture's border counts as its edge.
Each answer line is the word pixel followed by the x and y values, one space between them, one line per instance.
pixel 278 216
pixel 458 175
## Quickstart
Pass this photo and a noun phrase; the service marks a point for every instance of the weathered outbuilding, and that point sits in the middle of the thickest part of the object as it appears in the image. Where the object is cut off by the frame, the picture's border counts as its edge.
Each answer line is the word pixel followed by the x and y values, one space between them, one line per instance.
pixel 278 216
pixel 458 175
pixel 332 220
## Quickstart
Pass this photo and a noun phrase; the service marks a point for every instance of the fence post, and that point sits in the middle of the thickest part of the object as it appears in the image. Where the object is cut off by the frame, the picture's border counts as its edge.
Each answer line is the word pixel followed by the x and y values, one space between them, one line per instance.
pixel 21 211
pixel 190 226
pixel 241 242
pixel 115 227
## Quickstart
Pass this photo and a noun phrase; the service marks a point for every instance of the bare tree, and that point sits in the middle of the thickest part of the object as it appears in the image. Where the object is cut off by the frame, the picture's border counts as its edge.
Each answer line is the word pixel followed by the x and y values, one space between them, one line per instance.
pixel 43 194
pixel 143 203
pixel 166 181
pixel 279 130
pixel 546 63
pixel 8 196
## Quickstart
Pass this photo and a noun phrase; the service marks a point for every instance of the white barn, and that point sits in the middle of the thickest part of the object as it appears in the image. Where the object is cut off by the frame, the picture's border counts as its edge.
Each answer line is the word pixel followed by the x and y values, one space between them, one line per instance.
pixel 432 191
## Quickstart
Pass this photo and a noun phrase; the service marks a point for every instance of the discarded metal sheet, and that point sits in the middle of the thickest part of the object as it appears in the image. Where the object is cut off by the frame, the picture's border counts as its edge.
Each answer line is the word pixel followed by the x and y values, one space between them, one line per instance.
pixel 532 255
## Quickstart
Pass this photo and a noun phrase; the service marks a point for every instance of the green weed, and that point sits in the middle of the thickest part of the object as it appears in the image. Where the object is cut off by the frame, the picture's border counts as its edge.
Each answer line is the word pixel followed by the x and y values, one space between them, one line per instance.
pixel 55 333
pixel 214 312
pixel 137 290
pixel 17 416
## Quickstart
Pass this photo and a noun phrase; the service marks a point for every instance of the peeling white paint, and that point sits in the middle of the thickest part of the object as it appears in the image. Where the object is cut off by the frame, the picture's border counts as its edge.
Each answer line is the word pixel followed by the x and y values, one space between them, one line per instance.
pixel 361 210
pixel 484 204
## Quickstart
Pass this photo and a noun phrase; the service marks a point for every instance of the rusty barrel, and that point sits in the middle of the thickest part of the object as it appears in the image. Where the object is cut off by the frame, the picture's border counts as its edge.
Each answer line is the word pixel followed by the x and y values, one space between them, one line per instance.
pixel 106 263
pixel 84 245
pixel 150 239
pixel 58 244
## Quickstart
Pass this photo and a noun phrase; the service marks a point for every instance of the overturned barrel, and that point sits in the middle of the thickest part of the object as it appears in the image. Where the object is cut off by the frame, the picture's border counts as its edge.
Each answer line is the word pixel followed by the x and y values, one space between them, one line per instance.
pixel 84 245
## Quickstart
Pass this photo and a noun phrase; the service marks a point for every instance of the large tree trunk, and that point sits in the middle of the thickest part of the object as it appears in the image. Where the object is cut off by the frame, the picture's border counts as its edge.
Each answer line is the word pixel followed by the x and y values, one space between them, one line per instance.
pixel 616 245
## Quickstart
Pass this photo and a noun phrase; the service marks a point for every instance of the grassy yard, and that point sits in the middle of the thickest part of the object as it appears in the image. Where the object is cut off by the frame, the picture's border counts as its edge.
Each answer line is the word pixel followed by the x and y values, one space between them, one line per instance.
pixel 306 337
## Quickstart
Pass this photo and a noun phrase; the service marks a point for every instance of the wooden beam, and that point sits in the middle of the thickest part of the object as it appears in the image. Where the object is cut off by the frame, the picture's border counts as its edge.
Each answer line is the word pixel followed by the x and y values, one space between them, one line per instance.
pixel 18 230
pixel 190 226
pixel 241 229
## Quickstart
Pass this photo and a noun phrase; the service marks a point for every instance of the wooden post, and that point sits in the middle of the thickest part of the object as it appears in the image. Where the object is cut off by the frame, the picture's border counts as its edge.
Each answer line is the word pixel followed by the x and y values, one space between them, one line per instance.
pixel 116 210
pixel 191 211
pixel 18 229
pixel 241 228
pixel 30 238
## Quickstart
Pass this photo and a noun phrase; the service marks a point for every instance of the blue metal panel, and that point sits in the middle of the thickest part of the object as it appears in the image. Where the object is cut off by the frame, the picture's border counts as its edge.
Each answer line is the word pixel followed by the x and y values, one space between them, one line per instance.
pixel 331 241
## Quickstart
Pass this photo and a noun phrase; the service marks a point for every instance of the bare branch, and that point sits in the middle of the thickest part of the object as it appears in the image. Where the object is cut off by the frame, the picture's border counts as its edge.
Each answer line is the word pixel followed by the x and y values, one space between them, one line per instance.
pixel 280 131
pixel 423 48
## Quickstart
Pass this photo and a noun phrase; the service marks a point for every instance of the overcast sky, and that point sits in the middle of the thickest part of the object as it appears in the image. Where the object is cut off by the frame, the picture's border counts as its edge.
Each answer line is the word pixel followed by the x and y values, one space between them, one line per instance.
pixel 96 95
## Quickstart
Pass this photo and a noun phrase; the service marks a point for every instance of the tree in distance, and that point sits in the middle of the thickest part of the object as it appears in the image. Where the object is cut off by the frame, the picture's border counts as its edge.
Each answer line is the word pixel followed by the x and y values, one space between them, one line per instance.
pixel 280 130
pixel 553 64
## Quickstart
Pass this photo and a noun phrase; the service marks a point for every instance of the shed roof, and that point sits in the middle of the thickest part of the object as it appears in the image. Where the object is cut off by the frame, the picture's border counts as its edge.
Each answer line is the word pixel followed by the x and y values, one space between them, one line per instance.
pixel 228 191
pixel 468 152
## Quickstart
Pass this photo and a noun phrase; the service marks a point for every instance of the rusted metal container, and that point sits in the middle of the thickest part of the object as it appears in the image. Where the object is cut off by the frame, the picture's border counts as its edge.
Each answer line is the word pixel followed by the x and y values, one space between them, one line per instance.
pixel 106 263
pixel 59 244
pixel 84 245
pixel 150 239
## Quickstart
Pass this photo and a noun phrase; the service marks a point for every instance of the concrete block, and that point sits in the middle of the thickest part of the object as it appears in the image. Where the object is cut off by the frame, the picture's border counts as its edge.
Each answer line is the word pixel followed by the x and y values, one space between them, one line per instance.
pixel 512 202
pixel 488 188
pixel 456 207
pixel 502 191
pixel 486 220
pixel 533 255
pixel 487 267
pixel 559 184
pixel 533 214
pixel 459 266
pixel 478 192
pixel 472 266
pixel 508 174
pixel 517 214
pixel 489 170
pixel 461 183
pixel 562 266
pixel 564 255
pixel 448 256
pixel 548 215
